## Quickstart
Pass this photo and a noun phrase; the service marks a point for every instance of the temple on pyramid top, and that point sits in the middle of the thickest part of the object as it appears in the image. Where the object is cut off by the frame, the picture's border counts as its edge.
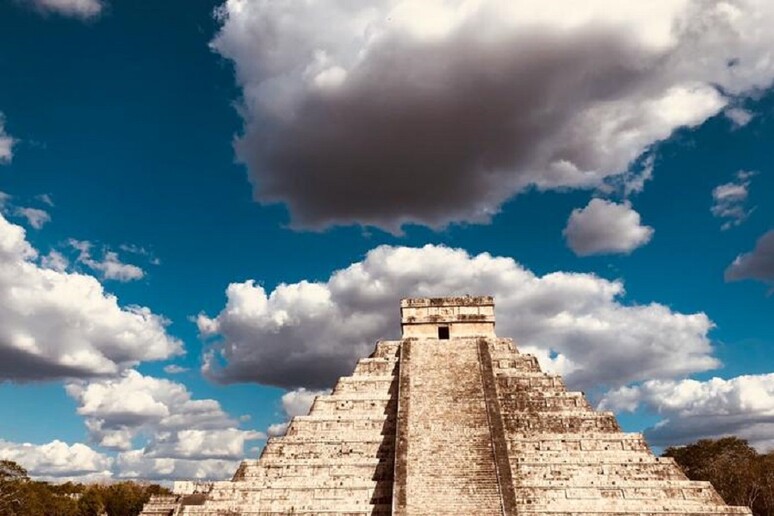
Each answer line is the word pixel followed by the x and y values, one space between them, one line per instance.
pixel 447 317
pixel 451 420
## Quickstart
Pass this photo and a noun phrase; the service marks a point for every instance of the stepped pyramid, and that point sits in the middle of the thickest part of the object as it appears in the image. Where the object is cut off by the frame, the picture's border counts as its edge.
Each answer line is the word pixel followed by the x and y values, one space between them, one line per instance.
pixel 453 420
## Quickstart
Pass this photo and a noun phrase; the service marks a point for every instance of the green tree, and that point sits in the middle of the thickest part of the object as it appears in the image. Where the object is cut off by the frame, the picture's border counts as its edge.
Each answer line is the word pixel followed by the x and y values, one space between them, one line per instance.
pixel 13 480
pixel 765 503
pixel 739 474
pixel 20 496
pixel 90 502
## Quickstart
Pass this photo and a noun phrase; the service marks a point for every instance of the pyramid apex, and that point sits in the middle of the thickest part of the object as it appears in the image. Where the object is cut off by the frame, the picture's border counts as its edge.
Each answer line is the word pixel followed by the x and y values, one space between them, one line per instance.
pixel 447 317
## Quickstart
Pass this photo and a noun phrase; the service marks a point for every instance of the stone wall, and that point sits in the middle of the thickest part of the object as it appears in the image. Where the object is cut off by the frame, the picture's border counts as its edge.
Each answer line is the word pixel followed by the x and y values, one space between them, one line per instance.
pixel 465 316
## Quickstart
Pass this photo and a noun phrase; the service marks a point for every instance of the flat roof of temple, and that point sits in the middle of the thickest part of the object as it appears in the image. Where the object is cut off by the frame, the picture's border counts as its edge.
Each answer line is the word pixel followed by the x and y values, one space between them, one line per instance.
pixel 413 302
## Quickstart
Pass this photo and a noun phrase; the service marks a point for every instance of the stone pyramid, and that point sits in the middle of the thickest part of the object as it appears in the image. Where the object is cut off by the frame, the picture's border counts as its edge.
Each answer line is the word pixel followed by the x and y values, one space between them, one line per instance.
pixel 453 420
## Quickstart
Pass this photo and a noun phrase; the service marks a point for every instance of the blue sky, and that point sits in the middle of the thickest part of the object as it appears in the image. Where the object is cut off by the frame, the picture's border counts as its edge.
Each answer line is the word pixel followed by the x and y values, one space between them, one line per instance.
pixel 207 151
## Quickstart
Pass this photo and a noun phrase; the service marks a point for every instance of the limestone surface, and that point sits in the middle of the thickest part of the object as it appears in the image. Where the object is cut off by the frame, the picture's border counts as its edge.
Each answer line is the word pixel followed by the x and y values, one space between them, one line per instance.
pixel 452 420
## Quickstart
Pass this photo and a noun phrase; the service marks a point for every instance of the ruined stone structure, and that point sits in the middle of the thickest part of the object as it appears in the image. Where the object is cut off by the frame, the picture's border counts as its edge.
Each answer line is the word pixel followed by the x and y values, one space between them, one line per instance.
pixel 452 420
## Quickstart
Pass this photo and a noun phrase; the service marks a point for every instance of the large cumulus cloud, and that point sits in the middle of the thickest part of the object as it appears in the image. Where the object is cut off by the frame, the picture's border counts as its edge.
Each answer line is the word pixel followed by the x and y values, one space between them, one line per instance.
pixel 136 464
pixel 307 334
pixel 55 324
pixel 693 409
pixel 58 461
pixel 119 410
pixel 159 429
pixel 386 112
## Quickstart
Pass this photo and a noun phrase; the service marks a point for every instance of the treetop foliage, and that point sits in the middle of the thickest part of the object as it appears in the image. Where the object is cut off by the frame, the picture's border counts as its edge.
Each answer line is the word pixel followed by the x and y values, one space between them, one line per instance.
pixel 740 474
pixel 21 496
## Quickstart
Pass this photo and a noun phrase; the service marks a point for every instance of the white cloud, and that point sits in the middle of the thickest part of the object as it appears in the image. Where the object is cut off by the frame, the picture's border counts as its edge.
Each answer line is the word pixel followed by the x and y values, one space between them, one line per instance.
pixel 308 334
pixel 76 8
pixel 141 251
pixel 739 117
pixel 757 264
pixel 110 267
pixel 691 409
pixel 35 217
pixel 6 143
pixel 58 460
pixel 45 199
pixel 729 200
pixel 136 464
pixel 58 325
pixel 222 444
pixel 278 429
pixel 297 402
pixel 179 437
pixel 452 107
pixel 55 260
pixel 633 180
pixel 605 227
pixel 120 410
pixel 174 369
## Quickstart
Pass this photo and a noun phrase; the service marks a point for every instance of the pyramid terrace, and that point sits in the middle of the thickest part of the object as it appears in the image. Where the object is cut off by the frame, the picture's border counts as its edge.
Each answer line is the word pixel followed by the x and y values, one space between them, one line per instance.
pixel 452 420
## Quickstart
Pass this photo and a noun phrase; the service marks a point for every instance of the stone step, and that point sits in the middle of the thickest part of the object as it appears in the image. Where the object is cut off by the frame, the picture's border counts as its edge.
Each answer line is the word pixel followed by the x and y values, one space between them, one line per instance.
pixel 547 402
pixel 637 511
pixel 334 417
pixel 508 381
pixel 576 456
pixel 378 470
pixel 365 384
pixel 570 474
pixel 527 363
pixel 521 443
pixel 387 349
pixel 340 510
pixel 313 431
pixel 535 394
pixel 593 458
pixel 559 422
pixel 330 448
pixel 355 480
pixel 160 505
pixel 629 508
pixel 375 366
pixel 679 492
pixel 353 403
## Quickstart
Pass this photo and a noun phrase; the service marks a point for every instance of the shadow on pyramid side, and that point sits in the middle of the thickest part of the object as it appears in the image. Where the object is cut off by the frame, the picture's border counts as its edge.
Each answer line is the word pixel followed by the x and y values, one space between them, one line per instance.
pixel 452 420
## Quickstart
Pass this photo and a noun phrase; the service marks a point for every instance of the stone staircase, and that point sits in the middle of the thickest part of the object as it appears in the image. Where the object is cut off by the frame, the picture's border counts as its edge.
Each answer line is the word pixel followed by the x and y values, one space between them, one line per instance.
pixel 162 505
pixel 337 460
pixel 568 459
pixel 443 424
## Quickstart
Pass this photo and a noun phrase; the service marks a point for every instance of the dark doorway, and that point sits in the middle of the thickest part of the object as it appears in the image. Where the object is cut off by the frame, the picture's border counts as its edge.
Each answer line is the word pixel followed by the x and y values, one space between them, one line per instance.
pixel 443 332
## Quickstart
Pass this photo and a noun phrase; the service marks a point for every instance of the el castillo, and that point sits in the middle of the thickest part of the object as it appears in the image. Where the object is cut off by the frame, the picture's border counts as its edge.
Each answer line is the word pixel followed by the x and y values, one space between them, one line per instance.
pixel 452 419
